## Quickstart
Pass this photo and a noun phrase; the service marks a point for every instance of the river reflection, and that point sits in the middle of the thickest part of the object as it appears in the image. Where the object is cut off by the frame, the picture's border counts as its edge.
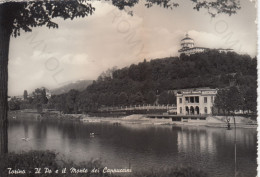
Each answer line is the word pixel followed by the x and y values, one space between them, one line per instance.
pixel 141 146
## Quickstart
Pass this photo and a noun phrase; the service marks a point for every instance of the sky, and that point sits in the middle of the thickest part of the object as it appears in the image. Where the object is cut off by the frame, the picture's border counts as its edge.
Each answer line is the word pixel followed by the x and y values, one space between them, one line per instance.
pixel 85 47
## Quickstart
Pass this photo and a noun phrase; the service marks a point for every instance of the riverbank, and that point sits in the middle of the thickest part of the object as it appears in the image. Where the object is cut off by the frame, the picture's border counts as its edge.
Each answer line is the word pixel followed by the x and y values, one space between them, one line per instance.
pixel 211 121
pixel 53 115
pixel 216 121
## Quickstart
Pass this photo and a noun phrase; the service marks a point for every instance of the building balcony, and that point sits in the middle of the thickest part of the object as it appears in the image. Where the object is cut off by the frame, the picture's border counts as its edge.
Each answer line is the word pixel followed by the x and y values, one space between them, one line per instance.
pixel 186 102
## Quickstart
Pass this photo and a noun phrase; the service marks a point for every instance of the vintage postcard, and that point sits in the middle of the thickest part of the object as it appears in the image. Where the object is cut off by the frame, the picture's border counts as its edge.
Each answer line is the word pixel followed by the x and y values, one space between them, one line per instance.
pixel 128 88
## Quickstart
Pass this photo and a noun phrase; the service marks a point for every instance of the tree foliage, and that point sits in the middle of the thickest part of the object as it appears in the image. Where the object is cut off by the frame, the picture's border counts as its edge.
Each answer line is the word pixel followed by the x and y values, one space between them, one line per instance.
pixel 25 95
pixel 25 15
pixel 14 104
pixel 167 98
pixel 39 96
pixel 209 69
pixel 234 99
pixel 150 97
pixel 221 100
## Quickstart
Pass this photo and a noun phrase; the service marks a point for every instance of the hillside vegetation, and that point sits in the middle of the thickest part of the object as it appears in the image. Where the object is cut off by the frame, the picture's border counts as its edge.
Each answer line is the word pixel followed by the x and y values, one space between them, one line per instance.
pixel 79 85
pixel 209 69
pixel 149 82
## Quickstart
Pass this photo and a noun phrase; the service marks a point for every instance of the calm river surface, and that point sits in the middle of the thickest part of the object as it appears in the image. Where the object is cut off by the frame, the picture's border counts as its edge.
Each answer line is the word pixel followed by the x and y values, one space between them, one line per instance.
pixel 142 147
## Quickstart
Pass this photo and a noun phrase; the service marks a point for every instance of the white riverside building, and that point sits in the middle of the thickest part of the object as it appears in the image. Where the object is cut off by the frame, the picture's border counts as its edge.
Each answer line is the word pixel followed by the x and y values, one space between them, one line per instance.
pixel 188 47
pixel 196 101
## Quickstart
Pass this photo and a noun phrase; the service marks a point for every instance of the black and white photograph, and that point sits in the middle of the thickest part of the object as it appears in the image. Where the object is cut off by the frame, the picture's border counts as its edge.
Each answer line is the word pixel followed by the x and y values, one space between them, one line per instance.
pixel 131 88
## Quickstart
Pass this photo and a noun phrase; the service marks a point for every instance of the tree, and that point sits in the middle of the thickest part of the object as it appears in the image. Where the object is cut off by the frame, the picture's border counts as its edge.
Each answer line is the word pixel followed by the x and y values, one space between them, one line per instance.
pixel 108 75
pixel 44 99
pixel 150 97
pixel 14 104
pixel 39 96
pixel 229 100
pixel 220 100
pixel 72 100
pixel 234 100
pixel 172 98
pixel 136 99
pixel 251 99
pixel 16 16
pixel 167 98
pixel 39 108
pixel 25 95
pixel 163 98
pixel 122 99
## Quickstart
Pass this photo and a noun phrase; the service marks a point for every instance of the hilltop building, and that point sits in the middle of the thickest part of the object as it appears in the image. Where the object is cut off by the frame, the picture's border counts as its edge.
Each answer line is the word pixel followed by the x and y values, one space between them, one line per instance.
pixel 189 48
pixel 196 101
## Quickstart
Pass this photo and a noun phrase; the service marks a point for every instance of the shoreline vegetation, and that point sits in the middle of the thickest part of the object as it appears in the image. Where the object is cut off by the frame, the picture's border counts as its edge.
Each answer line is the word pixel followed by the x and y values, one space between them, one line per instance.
pixel 48 163
pixel 141 119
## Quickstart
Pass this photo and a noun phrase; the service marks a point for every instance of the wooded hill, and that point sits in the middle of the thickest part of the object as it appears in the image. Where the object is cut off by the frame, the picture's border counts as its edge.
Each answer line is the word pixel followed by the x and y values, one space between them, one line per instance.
pixel 140 83
pixel 209 69
pixel 79 85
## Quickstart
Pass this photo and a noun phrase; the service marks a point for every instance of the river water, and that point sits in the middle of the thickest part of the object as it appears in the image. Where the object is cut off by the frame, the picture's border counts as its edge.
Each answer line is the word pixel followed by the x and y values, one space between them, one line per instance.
pixel 141 147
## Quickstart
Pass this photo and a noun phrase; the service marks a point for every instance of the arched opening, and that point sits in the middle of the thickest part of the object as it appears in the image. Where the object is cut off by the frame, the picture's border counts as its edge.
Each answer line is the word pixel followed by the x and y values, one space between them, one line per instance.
pixel 197 110
pixel 192 110
pixel 187 110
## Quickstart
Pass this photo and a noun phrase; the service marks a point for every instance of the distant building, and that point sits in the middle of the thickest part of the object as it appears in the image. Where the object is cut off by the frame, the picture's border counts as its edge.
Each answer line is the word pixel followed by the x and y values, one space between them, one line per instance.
pixel 188 89
pixel 188 47
pixel 196 101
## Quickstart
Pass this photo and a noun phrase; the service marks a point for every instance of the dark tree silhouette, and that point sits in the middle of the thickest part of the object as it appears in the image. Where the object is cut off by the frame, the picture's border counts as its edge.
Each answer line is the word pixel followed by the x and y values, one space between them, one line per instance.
pixel 229 100
pixel 16 16
pixel 25 95
pixel 221 100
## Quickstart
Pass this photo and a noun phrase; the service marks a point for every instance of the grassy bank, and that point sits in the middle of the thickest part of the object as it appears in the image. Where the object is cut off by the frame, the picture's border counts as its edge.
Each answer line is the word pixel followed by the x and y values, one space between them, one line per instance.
pixel 27 162
pixel 25 114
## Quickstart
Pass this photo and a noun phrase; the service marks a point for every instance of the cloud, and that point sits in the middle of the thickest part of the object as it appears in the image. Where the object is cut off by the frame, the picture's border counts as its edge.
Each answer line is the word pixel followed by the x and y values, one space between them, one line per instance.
pixel 84 47
pixel 78 59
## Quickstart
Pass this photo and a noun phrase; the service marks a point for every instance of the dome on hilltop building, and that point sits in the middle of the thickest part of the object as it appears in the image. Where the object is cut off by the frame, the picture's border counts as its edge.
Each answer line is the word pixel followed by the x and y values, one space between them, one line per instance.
pixel 187 42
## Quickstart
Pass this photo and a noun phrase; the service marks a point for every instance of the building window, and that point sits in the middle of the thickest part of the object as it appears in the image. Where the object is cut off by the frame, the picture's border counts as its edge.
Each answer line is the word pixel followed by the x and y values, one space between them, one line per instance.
pixel 180 100
pixel 187 100
pixel 205 99
pixel 192 99
pixel 206 110
pixel 180 110
pixel 211 99
pixel 197 99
